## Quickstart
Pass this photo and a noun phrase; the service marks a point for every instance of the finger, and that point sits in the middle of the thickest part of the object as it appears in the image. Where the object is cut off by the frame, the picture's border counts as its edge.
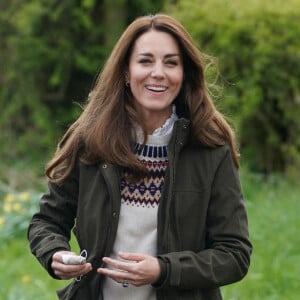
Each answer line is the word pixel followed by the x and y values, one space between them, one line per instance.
pixel 58 255
pixel 132 277
pixel 137 257
pixel 117 264
pixel 70 271
pixel 118 276
pixel 68 268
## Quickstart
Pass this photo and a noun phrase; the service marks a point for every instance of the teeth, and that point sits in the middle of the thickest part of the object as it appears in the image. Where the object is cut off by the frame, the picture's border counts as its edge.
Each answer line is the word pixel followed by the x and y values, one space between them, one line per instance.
pixel 157 88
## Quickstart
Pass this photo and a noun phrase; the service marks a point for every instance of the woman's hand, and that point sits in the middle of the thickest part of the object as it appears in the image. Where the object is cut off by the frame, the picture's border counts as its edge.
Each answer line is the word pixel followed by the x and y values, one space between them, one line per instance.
pixel 64 271
pixel 134 268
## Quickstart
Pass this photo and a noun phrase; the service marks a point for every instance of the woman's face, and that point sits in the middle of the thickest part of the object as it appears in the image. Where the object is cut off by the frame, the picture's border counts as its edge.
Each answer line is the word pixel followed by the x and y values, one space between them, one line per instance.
pixel 155 74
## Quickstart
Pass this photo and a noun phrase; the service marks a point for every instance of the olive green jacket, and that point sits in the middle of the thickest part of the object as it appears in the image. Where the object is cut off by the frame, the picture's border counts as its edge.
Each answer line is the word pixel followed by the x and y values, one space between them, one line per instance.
pixel 202 226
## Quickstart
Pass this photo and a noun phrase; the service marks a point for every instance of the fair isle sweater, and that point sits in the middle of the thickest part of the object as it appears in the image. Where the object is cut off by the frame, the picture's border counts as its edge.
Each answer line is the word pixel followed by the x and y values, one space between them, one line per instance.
pixel 137 229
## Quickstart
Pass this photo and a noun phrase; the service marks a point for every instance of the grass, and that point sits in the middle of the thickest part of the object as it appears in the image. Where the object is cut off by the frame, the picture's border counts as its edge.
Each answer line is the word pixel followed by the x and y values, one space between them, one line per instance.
pixel 22 277
pixel 273 208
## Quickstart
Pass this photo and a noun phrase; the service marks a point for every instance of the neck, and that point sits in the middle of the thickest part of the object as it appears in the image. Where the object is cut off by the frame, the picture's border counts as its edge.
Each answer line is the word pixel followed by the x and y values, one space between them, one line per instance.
pixel 156 120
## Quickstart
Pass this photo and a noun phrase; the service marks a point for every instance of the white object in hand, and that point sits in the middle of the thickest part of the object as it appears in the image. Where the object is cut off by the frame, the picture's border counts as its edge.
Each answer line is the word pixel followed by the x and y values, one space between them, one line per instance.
pixel 69 259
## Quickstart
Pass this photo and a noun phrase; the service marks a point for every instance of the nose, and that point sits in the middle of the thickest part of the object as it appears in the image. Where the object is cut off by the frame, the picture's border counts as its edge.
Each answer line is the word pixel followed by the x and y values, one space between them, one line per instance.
pixel 158 71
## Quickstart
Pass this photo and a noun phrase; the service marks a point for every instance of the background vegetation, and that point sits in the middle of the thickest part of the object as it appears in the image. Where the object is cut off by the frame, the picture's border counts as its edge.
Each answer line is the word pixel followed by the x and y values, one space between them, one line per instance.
pixel 50 53
pixel 258 50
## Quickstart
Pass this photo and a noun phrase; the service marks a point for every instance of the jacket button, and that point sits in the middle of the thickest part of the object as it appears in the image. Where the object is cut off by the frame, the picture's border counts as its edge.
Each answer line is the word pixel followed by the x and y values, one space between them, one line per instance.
pixel 104 166
pixel 114 215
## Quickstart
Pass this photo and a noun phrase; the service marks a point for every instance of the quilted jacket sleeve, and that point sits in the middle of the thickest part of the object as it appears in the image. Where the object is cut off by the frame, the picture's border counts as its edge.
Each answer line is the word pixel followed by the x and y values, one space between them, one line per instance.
pixel 50 228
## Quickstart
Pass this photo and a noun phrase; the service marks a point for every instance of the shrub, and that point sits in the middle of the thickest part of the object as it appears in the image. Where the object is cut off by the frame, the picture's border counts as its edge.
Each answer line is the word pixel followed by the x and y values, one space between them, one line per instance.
pixel 258 48
pixel 50 52
pixel 17 209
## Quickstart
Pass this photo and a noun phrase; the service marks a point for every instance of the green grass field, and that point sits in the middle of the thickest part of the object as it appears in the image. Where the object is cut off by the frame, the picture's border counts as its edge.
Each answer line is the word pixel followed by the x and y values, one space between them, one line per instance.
pixel 274 222
pixel 273 209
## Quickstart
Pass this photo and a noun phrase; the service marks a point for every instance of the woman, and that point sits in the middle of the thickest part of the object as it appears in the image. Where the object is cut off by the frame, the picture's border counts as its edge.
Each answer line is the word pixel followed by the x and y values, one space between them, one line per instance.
pixel 149 171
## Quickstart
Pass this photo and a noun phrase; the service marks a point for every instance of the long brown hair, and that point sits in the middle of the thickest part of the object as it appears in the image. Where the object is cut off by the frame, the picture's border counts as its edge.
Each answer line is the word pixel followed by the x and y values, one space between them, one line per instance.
pixel 103 130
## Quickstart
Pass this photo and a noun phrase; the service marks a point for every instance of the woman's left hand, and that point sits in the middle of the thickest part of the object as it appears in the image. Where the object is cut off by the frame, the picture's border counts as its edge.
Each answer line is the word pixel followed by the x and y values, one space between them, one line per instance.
pixel 134 268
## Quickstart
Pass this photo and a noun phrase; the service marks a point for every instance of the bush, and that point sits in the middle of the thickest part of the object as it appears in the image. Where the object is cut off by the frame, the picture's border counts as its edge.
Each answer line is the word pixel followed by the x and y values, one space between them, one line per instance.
pixel 258 48
pixel 15 213
pixel 47 66
pixel 50 53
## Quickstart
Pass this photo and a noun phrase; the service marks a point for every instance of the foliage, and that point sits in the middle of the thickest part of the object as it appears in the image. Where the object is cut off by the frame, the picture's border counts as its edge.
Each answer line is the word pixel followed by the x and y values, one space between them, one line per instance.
pixel 258 49
pixel 15 213
pixel 50 53
pixel 273 206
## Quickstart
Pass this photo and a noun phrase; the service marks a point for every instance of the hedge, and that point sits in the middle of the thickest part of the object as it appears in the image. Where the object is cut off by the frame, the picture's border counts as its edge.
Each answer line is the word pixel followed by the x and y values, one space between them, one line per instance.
pixel 257 46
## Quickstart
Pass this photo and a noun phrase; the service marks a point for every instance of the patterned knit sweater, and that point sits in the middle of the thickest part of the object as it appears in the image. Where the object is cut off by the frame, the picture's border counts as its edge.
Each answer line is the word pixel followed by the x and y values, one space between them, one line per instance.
pixel 137 230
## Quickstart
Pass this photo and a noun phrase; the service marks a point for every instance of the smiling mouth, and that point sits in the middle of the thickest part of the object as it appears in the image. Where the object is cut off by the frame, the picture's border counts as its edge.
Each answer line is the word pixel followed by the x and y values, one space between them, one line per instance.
pixel 156 88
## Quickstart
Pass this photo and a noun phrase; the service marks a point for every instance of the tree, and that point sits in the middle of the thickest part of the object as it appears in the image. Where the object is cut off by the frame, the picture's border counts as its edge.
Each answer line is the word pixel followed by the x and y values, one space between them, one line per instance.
pixel 258 50
pixel 51 52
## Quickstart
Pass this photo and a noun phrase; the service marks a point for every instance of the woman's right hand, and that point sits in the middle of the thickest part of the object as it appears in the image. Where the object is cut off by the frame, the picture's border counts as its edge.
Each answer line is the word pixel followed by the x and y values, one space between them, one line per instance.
pixel 64 271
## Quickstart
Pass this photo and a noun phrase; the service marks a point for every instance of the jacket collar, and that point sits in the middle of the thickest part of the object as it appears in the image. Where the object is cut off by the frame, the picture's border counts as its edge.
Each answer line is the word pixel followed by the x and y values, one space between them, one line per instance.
pixel 181 133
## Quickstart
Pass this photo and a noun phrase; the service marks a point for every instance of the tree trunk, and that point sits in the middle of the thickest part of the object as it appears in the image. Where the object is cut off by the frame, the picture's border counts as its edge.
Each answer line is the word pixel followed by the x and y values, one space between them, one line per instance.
pixel 115 20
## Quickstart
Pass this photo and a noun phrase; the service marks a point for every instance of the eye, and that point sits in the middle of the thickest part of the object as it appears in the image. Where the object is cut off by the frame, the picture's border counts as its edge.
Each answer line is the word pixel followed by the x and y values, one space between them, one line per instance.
pixel 172 62
pixel 145 61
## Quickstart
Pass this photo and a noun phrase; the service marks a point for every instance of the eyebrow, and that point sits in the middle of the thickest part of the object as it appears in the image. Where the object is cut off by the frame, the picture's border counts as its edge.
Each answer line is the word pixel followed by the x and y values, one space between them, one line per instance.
pixel 167 55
